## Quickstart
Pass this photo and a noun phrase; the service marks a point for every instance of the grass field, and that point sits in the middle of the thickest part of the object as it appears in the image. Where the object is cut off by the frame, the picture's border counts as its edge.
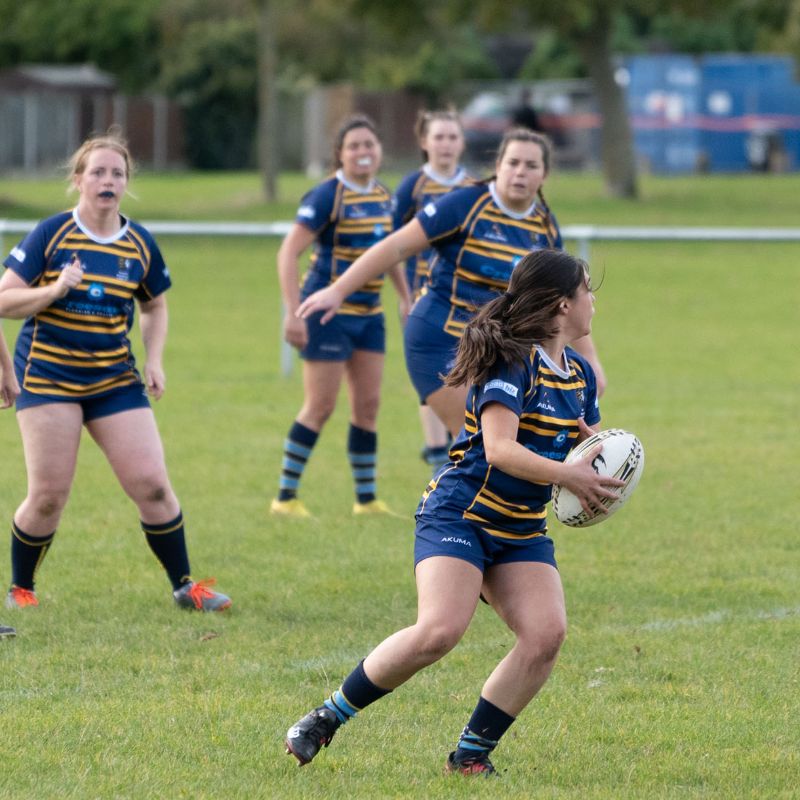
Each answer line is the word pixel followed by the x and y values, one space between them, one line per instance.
pixel 679 677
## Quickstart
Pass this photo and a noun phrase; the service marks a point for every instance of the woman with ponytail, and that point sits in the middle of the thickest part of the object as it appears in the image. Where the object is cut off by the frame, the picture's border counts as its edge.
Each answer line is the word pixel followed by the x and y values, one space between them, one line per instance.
pixel 481 524
pixel 478 234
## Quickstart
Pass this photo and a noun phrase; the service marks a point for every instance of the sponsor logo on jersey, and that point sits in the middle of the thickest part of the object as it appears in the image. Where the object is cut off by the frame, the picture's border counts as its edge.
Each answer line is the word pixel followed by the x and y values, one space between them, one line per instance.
pixel 379 231
pixel 499 273
pixel 19 254
pixel 496 234
pixel 456 540
pixel 123 269
pixel 307 212
pixel 356 212
pixel 515 261
pixel 504 386
pixel 429 210
pixel 545 405
pixel 561 438
pixel 96 291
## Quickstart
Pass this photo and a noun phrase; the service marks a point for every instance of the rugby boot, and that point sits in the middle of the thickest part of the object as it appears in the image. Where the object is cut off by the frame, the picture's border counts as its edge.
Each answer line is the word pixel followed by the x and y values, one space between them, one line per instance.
pixel 479 765
pixel 18 597
pixel 196 595
pixel 289 508
pixel 307 736
pixel 374 507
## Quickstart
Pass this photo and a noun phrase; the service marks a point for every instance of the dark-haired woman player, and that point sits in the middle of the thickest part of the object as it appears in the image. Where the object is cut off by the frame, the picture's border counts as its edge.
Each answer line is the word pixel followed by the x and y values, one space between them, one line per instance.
pixel 441 140
pixel 342 217
pixel 479 234
pixel 481 523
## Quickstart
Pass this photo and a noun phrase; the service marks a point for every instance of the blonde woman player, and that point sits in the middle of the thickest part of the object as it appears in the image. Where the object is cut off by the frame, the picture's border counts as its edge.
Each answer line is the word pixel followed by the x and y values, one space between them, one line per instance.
pixel 76 280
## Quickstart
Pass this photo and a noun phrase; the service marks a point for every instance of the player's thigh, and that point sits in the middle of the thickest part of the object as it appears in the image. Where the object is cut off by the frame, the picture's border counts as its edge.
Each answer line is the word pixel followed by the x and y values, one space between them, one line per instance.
pixel 51 434
pixel 131 442
pixel 321 383
pixel 528 597
pixel 448 590
pixel 448 403
pixel 364 375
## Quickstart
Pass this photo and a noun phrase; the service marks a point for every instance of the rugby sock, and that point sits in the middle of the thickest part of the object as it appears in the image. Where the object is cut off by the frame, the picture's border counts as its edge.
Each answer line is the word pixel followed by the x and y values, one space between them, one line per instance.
pixel 27 553
pixel 486 725
pixel 362 451
pixel 168 542
pixel 296 452
pixel 357 692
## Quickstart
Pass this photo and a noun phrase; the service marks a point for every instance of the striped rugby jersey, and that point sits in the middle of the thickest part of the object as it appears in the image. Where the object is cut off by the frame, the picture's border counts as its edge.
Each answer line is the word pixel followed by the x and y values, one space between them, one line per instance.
pixel 78 346
pixel 415 191
pixel 478 242
pixel 549 399
pixel 347 220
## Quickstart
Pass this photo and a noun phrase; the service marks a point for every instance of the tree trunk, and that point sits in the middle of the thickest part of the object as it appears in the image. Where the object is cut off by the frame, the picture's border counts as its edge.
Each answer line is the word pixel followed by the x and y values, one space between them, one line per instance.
pixel 618 155
pixel 267 133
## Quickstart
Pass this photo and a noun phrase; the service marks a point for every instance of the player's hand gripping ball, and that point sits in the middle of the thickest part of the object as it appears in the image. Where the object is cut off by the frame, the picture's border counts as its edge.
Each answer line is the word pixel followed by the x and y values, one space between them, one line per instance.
pixel 622 457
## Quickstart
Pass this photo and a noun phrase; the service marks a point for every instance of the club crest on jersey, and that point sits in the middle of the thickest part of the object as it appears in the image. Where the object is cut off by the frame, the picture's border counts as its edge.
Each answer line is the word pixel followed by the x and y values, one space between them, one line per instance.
pixel 96 291
pixel 581 395
pixel 496 234
pixel 123 269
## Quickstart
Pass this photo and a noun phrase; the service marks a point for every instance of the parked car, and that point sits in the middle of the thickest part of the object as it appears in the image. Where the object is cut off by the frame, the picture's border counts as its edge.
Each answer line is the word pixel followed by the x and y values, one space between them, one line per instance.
pixel 566 111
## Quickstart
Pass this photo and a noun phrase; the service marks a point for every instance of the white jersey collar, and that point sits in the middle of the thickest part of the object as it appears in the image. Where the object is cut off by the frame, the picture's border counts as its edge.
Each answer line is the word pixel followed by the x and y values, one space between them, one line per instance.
pixel 513 214
pixel 93 236
pixel 455 180
pixel 562 371
pixel 354 187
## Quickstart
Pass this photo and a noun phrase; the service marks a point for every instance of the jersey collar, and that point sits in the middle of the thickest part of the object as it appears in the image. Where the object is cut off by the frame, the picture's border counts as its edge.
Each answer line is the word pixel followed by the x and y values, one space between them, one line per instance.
pixel 354 187
pixel 94 237
pixel 457 178
pixel 563 371
pixel 513 214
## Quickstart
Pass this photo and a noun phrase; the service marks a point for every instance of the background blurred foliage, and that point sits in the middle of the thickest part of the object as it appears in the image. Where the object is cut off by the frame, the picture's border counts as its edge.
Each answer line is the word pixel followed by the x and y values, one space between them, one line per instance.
pixel 204 53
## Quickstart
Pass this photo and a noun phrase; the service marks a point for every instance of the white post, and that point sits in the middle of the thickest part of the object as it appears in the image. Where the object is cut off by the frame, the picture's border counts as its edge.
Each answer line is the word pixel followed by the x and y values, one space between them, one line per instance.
pixel 287 351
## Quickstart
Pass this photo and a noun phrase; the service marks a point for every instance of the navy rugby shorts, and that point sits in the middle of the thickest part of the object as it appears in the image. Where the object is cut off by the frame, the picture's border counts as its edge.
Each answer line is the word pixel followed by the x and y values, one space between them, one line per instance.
pixel 429 349
pixel 123 398
pixel 339 337
pixel 462 538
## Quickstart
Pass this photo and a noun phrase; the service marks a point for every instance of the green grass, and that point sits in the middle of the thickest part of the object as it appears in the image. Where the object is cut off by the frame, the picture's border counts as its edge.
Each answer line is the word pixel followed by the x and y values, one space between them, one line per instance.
pixel 679 676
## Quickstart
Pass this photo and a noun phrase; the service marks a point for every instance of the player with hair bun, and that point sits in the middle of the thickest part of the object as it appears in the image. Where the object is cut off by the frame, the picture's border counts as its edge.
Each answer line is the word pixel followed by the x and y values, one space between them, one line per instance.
pixel 341 218
pixel 479 234
pixel 441 139
pixel 482 522
pixel 76 280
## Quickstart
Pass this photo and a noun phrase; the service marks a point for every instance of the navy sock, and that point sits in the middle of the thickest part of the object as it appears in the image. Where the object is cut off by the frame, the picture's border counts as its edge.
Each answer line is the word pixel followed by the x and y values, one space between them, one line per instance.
pixel 297 449
pixel 27 553
pixel 484 729
pixel 168 542
pixel 362 452
pixel 356 692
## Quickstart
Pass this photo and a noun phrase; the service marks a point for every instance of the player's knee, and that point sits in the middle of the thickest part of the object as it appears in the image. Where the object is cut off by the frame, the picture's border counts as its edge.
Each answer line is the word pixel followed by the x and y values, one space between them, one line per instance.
pixel 437 641
pixel 50 501
pixel 544 646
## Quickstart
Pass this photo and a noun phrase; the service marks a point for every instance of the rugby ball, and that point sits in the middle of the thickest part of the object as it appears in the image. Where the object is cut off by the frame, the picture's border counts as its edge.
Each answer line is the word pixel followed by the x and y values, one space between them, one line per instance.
pixel 622 457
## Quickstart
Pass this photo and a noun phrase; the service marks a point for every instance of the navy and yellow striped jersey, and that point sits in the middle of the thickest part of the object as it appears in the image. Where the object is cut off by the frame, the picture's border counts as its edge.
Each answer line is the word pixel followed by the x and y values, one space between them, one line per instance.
pixel 415 191
pixel 347 220
pixel 78 346
pixel 549 399
pixel 478 242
